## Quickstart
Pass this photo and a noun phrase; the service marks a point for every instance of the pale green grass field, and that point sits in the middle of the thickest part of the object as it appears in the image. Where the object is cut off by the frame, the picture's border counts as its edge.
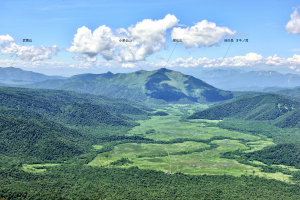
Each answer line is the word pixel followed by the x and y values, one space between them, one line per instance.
pixel 155 156
pixel 31 168
pixel 196 163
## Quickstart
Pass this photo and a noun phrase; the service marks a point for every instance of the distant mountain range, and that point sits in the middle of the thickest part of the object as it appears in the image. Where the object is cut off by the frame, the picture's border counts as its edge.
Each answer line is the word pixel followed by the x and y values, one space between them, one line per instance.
pixel 16 76
pixel 161 85
pixel 239 80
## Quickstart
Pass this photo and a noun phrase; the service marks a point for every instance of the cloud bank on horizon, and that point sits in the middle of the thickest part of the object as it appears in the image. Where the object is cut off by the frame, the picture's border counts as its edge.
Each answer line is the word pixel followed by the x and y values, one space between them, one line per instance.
pixel 249 60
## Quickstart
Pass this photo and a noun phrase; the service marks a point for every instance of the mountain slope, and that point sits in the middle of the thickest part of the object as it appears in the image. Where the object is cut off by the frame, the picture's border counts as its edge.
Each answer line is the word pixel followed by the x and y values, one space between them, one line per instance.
pixel 163 85
pixel 280 111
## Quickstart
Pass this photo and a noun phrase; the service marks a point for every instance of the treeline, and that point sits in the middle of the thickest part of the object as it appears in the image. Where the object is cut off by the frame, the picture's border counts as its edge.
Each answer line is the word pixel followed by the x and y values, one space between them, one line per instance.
pixel 84 182
pixel 242 158
pixel 268 156
pixel 281 154
pixel 261 128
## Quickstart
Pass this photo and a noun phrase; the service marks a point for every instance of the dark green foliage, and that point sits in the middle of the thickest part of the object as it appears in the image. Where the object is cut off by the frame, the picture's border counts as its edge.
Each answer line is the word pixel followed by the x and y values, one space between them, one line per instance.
pixel 294 92
pixel 122 161
pixel 168 93
pixel 281 154
pixel 90 115
pixel 280 111
pixel 154 79
pixel 150 131
pixel 164 91
pixel 215 95
pixel 160 113
pixel 59 106
pixel 194 83
pixel 263 129
pixel 33 124
pixel 83 182
pixel 116 105
pixel 38 139
pixel 244 159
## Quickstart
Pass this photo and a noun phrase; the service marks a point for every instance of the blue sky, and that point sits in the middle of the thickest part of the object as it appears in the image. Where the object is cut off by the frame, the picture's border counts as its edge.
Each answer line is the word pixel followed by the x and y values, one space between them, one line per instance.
pixel 49 23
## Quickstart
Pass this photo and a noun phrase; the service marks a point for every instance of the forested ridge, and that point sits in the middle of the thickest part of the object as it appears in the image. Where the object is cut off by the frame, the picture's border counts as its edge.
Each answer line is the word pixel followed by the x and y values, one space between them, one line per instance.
pixel 278 110
pixel 281 154
pixel 70 108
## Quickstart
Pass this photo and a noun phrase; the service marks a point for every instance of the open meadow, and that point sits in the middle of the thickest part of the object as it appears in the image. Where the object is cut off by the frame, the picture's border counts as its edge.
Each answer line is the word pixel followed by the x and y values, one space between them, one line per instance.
pixel 186 146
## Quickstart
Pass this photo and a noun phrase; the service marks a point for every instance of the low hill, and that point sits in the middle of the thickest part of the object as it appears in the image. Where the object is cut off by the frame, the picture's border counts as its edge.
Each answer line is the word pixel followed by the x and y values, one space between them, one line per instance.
pixel 279 110
pixel 293 92
pixel 161 85
pixel 16 76
pixel 56 83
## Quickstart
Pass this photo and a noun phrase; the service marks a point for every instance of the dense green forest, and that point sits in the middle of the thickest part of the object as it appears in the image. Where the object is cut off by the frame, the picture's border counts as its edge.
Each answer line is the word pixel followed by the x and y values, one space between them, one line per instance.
pixel 281 154
pixel 83 182
pixel 70 108
pixel 293 93
pixel 278 110
pixel 40 126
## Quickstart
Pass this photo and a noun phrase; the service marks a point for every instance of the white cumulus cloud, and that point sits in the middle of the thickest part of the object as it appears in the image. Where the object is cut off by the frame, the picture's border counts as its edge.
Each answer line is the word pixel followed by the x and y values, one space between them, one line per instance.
pixel 6 39
pixel 28 53
pixel 152 32
pixel 128 65
pixel 203 33
pixel 148 37
pixel 293 26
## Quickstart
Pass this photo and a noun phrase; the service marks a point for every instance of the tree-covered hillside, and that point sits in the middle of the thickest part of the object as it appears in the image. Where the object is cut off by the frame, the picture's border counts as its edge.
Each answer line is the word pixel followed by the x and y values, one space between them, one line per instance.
pixel 294 92
pixel 53 126
pixel 37 140
pixel 71 108
pixel 281 154
pixel 279 110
